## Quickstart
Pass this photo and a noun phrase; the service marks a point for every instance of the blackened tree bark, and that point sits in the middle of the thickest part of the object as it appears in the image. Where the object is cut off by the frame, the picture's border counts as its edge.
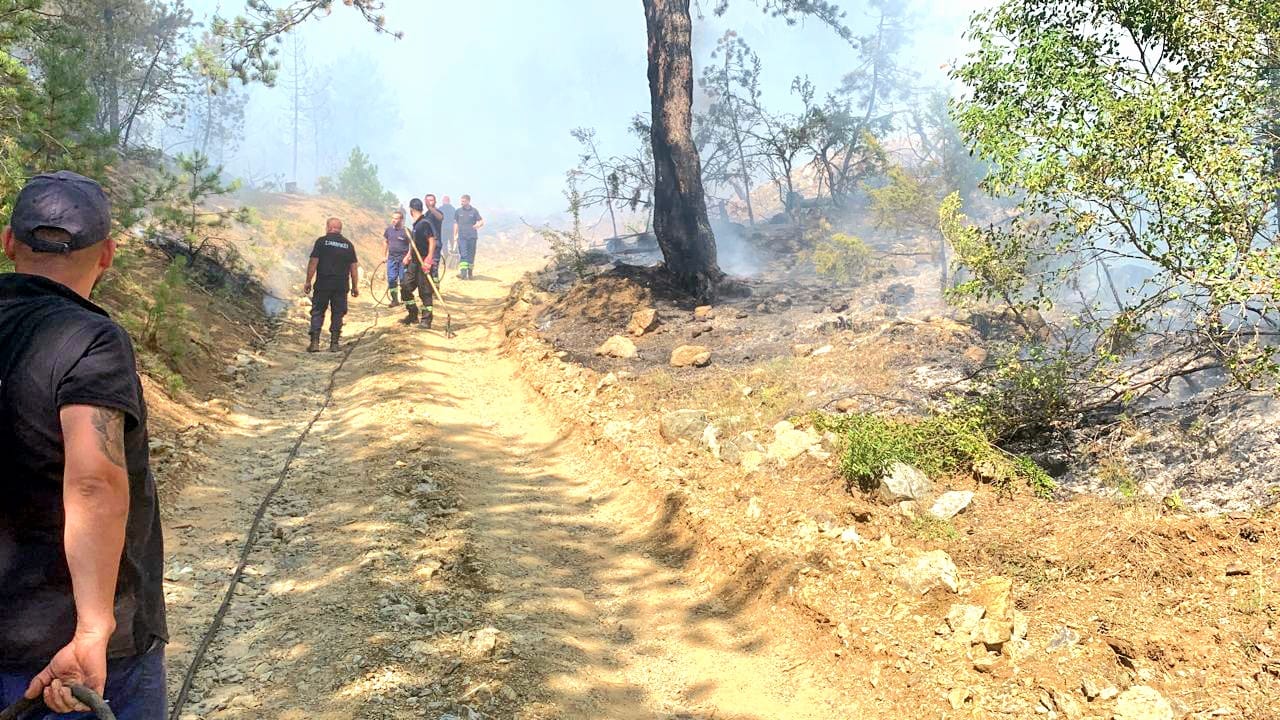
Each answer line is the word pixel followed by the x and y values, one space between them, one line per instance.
pixel 680 219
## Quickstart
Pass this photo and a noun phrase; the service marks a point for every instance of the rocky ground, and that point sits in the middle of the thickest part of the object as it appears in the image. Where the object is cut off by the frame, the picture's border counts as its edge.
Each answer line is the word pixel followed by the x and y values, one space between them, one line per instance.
pixel 506 524
pixel 441 549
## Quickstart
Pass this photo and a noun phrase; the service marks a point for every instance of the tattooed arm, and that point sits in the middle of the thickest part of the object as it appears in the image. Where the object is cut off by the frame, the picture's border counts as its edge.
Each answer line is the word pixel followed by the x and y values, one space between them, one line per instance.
pixel 95 493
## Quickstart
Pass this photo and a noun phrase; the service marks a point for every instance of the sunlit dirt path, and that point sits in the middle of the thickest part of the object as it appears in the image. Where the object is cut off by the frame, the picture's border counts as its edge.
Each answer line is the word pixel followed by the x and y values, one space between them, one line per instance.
pixel 441 549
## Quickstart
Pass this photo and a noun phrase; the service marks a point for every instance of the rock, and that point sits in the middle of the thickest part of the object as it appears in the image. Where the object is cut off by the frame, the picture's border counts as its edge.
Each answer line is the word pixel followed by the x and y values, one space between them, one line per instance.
pixel 1065 638
pixel 1236 569
pixel 985 663
pixel 618 346
pixel 994 633
pixel 898 294
pixel 846 405
pixel 1066 705
pixel 976 355
pixel 790 443
pixel 642 321
pixel 822 351
pixel 703 313
pixel 959 697
pixel 1123 649
pixel 703 330
pixel 1142 703
pixel 754 509
pixel 711 440
pixel 963 621
pixel 683 425
pixel 752 460
pixel 927 571
pixel 903 482
pixel 993 595
pixel 951 504
pixel 801 350
pixel 485 642
pixel 690 356
pixel 850 535
pixel 780 300
pixel 1091 688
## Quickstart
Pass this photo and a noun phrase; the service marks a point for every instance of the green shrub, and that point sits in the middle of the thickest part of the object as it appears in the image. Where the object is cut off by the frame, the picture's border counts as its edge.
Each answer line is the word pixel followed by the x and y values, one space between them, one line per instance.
pixel 165 328
pixel 1023 396
pixel 937 445
pixel 843 258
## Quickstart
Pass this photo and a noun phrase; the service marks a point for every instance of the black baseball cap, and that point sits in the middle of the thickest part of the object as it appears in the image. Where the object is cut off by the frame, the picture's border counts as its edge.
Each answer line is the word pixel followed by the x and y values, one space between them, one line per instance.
pixel 64 201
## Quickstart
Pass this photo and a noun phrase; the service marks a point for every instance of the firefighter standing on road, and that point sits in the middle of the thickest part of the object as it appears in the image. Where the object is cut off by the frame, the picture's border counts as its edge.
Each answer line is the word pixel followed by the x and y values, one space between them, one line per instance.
pixel 468 220
pixel 333 271
pixel 422 249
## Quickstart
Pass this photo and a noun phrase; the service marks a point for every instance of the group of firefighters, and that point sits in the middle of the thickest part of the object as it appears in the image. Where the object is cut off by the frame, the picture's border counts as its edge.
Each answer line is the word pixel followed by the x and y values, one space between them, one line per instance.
pixel 413 256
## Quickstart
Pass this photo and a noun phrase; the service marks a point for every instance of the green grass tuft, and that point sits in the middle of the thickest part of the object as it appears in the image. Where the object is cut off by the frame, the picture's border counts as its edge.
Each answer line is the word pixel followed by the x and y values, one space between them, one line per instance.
pixel 937 445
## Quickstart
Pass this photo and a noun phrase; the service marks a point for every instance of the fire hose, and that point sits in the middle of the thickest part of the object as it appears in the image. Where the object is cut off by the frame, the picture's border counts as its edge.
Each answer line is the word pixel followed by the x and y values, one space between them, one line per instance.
pixel 89 698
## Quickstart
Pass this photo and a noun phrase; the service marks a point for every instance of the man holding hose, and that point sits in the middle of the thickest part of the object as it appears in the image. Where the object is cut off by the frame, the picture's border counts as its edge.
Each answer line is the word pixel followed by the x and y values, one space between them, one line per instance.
pixel 81 553
pixel 419 268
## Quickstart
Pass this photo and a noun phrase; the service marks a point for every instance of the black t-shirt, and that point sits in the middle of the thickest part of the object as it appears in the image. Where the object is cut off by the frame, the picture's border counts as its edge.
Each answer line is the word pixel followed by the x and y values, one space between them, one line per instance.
pixel 467 217
pixel 436 225
pixel 58 349
pixel 423 231
pixel 336 255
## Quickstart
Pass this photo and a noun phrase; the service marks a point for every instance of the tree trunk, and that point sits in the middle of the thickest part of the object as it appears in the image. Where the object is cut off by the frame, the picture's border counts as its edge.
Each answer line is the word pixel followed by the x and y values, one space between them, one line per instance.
pixel 113 72
pixel 679 203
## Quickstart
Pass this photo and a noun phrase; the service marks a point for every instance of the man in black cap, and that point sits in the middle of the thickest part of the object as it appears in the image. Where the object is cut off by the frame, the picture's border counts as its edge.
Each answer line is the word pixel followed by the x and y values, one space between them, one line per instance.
pixel 419 270
pixel 333 271
pixel 81 553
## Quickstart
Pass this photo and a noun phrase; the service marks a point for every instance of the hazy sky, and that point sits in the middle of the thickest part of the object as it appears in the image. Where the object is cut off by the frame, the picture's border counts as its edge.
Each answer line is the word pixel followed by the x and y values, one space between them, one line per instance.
pixel 479 96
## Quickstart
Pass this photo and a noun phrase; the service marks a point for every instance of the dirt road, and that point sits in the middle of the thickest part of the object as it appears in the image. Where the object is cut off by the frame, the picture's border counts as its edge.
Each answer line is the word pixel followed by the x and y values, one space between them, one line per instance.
pixel 440 549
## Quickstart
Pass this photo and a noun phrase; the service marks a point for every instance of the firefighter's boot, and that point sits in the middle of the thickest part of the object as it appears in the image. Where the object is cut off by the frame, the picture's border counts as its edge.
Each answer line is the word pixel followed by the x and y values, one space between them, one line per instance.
pixel 395 297
pixel 315 343
pixel 335 342
pixel 411 317
pixel 427 315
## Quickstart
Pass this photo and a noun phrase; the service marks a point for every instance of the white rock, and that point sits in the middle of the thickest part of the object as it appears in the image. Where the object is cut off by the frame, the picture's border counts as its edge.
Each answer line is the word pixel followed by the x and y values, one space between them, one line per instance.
pixel 711 439
pixel 950 504
pixel 754 510
pixel 903 482
pixel 617 346
pixel 927 571
pixel 1142 703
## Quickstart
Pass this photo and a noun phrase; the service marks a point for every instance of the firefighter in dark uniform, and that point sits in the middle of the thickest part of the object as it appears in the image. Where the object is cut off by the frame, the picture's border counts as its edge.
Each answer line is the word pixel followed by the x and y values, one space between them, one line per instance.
pixel 468 221
pixel 421 251
pixel 333 272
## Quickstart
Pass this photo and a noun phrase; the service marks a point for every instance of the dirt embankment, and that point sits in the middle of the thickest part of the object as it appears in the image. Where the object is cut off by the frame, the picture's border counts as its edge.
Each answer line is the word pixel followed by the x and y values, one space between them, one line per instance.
pixel 1081 607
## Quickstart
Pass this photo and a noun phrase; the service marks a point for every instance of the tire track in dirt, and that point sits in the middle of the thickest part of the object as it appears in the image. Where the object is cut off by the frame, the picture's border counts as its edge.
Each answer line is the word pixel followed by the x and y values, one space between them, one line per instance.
pixel 440 550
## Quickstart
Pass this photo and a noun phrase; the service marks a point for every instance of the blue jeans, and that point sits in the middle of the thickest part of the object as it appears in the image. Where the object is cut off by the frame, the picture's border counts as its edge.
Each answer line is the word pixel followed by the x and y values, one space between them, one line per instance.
pixel 395 271
pixel 135 688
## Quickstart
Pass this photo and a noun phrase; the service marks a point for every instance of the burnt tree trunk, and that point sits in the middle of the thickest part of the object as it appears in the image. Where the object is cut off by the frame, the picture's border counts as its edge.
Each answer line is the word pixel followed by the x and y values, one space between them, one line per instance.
pixel 680 219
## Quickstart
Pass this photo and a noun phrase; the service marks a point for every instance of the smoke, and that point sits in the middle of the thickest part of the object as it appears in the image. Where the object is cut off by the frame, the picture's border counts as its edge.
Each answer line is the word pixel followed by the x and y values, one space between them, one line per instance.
pixel 736 254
